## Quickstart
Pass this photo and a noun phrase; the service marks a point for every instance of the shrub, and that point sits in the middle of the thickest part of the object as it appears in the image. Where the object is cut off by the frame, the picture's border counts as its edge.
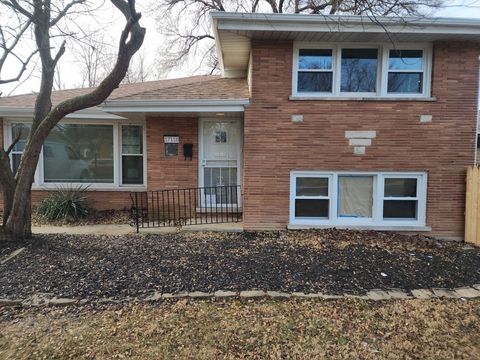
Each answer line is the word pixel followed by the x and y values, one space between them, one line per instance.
pixel 68 204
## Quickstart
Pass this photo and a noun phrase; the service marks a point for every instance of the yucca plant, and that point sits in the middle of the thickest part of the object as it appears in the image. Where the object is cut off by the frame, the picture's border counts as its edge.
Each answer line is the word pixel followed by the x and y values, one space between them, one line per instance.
pixel 65 203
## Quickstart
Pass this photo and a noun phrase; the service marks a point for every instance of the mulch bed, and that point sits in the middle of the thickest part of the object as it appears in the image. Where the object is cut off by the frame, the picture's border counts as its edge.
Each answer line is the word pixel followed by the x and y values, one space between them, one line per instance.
pixel 94 217
pixel 329 261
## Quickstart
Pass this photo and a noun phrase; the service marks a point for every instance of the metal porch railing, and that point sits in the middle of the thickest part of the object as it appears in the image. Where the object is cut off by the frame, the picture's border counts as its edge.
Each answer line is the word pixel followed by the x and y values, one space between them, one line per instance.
pixel 190 206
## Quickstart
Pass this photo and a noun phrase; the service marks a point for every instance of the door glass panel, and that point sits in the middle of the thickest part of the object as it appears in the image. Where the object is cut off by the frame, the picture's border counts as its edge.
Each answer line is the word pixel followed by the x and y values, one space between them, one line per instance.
pixel 355 196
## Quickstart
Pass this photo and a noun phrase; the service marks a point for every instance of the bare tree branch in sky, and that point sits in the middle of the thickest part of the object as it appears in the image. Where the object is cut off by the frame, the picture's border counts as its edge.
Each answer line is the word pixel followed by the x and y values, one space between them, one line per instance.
pixel 186 23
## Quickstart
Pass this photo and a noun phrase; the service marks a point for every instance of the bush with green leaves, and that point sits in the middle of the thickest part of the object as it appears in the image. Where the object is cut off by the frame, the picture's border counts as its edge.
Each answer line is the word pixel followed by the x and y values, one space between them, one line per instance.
pixel 68 204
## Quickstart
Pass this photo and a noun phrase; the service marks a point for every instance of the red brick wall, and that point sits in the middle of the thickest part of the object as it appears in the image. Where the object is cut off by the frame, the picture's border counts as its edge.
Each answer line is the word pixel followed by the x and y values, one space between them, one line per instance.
pixel 273 145
pixel 171 172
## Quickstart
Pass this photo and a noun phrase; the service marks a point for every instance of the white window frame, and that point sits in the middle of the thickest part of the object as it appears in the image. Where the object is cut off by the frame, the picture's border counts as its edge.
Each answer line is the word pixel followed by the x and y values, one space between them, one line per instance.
pixel 122 154
pixel 382 70
pixel 376 221
pixel 39 182
pixel 328 197
pixel 426 70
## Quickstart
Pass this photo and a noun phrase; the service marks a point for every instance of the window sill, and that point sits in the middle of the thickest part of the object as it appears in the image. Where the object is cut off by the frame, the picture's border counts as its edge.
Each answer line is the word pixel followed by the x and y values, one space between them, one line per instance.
pixel 363 227
pixel 91 188
pixel 360 98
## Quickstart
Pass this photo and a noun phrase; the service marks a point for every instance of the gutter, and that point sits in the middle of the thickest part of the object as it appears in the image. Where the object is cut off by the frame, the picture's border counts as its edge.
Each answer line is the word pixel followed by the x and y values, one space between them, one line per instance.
pixel 176 105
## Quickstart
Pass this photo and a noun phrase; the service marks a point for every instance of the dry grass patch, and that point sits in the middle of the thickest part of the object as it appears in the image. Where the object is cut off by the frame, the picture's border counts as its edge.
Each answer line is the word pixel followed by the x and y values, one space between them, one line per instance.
pixel 301 329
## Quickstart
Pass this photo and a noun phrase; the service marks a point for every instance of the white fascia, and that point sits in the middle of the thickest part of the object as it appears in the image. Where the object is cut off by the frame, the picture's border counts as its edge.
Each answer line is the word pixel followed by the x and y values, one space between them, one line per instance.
pixel 176 105
pixel 91 113
pixel 343 23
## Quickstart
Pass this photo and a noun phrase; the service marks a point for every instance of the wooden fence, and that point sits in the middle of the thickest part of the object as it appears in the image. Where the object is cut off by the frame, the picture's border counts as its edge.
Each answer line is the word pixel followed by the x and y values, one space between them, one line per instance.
pixel 472 206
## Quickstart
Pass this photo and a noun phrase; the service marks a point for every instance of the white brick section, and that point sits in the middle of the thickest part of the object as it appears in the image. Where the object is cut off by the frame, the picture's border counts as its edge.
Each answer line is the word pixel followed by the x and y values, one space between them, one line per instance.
pixel 359 150
pixel 362 134
pixel 360 142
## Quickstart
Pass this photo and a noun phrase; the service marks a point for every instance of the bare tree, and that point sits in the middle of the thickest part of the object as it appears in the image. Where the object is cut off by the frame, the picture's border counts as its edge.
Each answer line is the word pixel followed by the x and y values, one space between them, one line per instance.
pixel 140 70
pixel 94 58
pixel 12 30
pixel 186 25
pixel 46 16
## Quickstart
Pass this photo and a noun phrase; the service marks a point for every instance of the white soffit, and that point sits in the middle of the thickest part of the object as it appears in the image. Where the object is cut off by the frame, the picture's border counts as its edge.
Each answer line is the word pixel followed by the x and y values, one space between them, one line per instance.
pixel 234 31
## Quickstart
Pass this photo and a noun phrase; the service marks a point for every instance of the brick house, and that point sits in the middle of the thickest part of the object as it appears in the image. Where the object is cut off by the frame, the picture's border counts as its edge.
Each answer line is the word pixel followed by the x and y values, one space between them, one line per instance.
pixel 331 121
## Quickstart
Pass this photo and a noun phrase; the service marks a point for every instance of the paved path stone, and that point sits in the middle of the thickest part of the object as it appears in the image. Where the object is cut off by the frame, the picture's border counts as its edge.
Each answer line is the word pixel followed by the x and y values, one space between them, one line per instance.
pixel 446 293
pixel 252 294
pixel 181 294
pixel 467 292
pixel 277 294
pixel 398 294
pixel 157 295
pixel 199 294
pixel 422 294
pixel 8 302
pixel 378 295
pixel 225 294
pixel 62 302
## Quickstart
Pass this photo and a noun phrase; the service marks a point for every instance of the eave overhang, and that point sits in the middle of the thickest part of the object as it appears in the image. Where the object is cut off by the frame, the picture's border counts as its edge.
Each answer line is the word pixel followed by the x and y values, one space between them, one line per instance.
pixel 234 32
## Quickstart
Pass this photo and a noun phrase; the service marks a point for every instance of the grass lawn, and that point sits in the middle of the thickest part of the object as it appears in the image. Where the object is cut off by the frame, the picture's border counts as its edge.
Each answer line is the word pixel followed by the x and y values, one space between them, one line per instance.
pixel 300 329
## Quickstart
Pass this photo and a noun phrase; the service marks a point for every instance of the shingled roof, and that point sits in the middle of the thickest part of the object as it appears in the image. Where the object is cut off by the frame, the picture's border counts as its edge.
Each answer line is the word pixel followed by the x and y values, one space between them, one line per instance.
pixel 188 88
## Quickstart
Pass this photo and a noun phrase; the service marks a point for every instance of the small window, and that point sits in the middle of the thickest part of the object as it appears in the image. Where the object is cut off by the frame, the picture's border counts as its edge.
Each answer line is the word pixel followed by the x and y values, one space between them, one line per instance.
pixel 132 155
pixel 315 70
pixel 312 197
pixel 405 72
pixel 400 199
pixel 359 70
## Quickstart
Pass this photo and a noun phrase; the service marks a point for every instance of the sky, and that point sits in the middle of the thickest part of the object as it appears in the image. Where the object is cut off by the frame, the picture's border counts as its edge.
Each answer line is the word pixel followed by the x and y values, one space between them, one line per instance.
pixel 112 23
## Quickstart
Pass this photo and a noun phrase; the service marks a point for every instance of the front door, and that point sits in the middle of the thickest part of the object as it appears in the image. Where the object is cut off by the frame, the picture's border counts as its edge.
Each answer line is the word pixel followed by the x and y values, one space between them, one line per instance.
pixel 220 152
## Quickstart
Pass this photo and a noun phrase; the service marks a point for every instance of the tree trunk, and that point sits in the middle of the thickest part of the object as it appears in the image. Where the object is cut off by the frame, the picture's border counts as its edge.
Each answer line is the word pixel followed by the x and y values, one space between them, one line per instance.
pixel 18 227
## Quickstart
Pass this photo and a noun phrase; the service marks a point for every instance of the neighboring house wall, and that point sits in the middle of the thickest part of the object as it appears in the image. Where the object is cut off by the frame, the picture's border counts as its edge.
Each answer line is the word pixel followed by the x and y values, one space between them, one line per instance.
pixel 176 171
pixel 274 145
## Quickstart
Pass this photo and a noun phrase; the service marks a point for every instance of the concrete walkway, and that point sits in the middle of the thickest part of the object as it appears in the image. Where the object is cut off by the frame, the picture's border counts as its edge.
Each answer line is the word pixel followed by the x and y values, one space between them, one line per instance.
pixel 124 229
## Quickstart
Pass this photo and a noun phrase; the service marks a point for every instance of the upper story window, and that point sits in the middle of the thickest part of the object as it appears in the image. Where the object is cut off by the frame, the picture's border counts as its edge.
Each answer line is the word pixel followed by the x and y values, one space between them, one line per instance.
pixel 345 70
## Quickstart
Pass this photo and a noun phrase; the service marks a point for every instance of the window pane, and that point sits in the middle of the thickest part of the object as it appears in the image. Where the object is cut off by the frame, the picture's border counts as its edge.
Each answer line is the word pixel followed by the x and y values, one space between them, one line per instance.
pixel 405 60
pixel 317 208
pixel 310 186
pixel 315 59
pixel 79 153
pixel 132 170
pixel 400 209
pixel 314 82
pixel 359 70
pixel 132 140
pixel 16 162
pixel 400 187
pixel 355 196
pixel 407 83
pixel 24 129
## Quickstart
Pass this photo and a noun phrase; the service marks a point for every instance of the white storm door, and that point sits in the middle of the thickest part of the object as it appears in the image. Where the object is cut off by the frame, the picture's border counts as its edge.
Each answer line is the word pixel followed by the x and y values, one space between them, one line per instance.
pixel 220 168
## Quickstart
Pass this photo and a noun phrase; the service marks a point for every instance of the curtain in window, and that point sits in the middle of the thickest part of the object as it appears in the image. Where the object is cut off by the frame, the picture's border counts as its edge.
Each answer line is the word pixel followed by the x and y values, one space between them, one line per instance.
pixel 355 196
